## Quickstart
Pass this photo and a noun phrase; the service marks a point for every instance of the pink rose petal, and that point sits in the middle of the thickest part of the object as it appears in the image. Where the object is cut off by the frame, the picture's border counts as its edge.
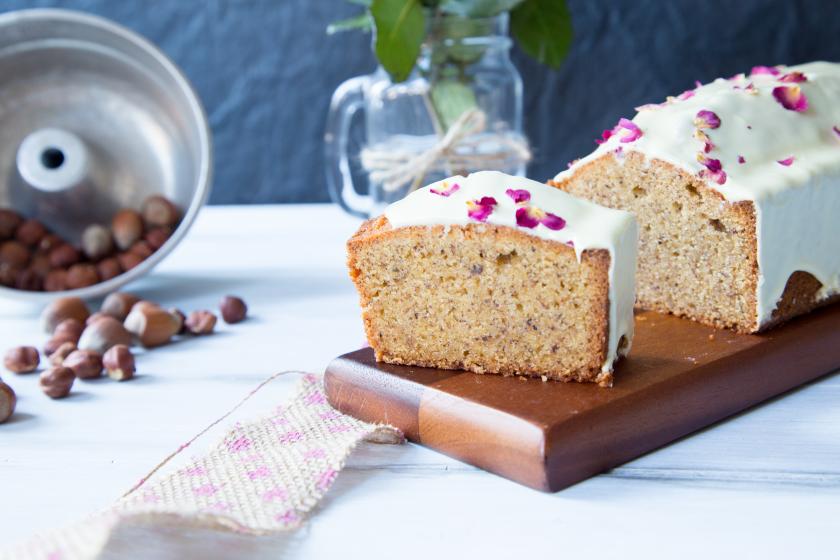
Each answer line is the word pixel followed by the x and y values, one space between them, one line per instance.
pixel 571 163
pixel 518 195
pixel 553 222
pixel 787 161
pixel 741 160
pixel 445 189
pixel 481 209
pixel 606 135
pixel 698 83
pixel 633 132
pixel 718 176
pixel 706 119
pixel 771 70
pixel 685 95
pixel 619 152
pixel 791 98
pixel 527 217
pixel 793 78
pixel 708 146
pixel 711 164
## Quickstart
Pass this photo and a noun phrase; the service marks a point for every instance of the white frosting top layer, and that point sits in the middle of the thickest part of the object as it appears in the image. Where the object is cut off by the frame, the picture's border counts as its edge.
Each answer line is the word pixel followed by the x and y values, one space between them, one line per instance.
pixel 763 123
pixel 587 226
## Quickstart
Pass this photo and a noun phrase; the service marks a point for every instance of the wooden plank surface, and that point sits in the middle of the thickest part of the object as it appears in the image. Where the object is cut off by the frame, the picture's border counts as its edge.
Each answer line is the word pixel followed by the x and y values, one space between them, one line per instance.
pixel 679 377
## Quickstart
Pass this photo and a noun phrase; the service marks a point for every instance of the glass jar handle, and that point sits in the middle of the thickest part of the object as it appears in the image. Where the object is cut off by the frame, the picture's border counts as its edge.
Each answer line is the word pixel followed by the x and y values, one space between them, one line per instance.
pixel 346 101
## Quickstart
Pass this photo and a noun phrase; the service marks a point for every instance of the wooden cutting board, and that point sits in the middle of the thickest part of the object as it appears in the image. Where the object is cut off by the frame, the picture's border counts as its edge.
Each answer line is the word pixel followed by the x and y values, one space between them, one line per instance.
pixel 680 377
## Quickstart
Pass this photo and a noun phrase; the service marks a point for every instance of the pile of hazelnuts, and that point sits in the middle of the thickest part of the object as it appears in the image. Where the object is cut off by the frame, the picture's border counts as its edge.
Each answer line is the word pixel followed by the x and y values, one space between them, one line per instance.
pixel 35 259
pixel 83 344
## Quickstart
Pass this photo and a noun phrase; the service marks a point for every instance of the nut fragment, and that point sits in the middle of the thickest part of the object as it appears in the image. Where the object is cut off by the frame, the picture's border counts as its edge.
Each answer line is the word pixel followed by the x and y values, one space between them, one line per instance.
pixel 14 253
pixel 81 275
pixel 233 309
pixel 30 232
pixel 119 363
pixel 118 305
pixel 108 268
pixel 200 322
pixel 9 222
pixel 22 359
pixel 85 364
pixel 104 333
pixel 58 355
pixel 57 381
pixel 96 241
pixel 7 402
pixel 127 227
pixel 159 211
pixel 152 325
pixel 61 309
pixel 64 255
pixel 69 329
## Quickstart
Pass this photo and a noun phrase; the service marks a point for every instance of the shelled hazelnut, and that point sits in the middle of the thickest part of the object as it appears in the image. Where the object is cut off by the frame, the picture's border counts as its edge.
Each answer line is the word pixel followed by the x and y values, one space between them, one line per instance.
pixel 233 309
pixel 129 260
pixel 64 349
pixel 119 363
pixel 30 232
pixel 7 402
pixel 52 345
pixel 126 227
pixel 97 242
pixel 61 309
pixel 81 275
pixel 56 280
pixel 85 364
pixel 14 253
pixel 69 330
pixel 118 305
pixel 108 268
pixel 9 222
pixel 40 265
pixel 200 322
pixel 57 381
pixel 63 256
pixel 156 237
pixel 104 333
pixel 141 249
pixel 22 359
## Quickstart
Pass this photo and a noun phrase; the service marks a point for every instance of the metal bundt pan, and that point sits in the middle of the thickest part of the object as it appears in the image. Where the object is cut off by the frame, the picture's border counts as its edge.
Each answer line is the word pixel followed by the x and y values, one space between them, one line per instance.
pixel 121 119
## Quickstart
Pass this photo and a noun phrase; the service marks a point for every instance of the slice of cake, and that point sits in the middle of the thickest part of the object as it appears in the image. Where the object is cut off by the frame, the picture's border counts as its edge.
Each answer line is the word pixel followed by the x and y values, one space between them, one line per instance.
pixel 736 186
pixel 498 274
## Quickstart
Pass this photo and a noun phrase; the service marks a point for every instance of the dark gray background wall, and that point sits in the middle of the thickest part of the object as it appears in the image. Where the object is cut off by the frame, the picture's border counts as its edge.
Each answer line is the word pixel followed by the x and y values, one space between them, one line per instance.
pixel 266 70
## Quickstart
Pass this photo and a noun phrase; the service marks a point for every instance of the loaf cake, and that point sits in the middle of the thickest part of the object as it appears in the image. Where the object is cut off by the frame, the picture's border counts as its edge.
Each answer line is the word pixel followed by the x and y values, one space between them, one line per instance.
pixel 497 274
pixel 736 187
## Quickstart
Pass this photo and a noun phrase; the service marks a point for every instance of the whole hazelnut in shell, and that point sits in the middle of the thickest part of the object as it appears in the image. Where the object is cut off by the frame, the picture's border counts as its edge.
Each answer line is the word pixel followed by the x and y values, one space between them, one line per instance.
pixel 61 309
pixel 126 227
pixel 7 402
pixel 152 325
pixel 159 211
pixel 57 381
pixel 102 334
pixel 69 329
pixel 118 305
pixel 97 242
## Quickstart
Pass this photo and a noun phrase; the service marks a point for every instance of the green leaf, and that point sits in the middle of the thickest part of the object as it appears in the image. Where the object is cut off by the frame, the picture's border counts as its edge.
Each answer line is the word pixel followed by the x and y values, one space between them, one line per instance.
pixel 478 8
pixel 365 3
pixel 451 99
pixel 543 29
pixel 361 21
pixel 400 26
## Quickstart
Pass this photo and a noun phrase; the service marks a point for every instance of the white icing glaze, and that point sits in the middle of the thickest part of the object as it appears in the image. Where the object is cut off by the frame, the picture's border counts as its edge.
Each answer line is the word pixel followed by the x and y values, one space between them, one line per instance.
pixel 588 226
pixel 797 207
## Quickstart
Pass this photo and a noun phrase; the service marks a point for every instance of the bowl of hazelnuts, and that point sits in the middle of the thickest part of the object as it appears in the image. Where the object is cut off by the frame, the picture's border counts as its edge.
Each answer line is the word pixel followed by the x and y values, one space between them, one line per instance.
pixel 105 159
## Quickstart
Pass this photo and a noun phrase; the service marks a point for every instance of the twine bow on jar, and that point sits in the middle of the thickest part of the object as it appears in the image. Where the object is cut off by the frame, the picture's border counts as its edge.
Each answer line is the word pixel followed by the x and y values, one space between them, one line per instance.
pixel 463 148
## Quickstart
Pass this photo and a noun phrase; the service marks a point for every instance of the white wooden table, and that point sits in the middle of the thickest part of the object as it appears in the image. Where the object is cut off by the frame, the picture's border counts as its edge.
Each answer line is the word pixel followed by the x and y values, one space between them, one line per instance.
pixel 763 485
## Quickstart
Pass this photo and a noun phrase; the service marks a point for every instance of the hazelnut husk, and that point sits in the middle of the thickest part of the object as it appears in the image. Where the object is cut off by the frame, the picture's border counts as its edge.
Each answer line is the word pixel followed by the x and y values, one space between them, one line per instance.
pixel 126 227
pixel 108 268
pixel 14 253
pixel 57 356
pixel 102 334
pixel 129 260
pixel 22 359
pixel 159 211
pixel 7 402
pixel 30 232
pixel 96 242
pixel 119 363
pixel 69 329
pixel 61 309
pixel 9 222
pixel 233 309
pixel 200 322
pixel 64 255
pixel 118 304
pixel 55 280
pixel 81 275
pixel 152 325
pixel 85 364
pixel 57 381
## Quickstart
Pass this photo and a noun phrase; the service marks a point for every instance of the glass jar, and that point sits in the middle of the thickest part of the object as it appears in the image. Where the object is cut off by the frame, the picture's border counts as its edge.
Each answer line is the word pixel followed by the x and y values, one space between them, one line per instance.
pixel 459 111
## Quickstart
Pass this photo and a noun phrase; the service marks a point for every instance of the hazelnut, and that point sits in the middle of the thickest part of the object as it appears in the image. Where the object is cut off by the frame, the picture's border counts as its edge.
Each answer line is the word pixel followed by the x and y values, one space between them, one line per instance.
pixel 159 211
pixel 156 237
pixel 7 402
pixel 49 242
pixel 118 304
pixel 56 280
pixel 14 253
pixel 129 260
pixel 85 364
pixel 200 322
pixel 8 274
pixel 64 255
pixel 61 309
pixel 53 344
pixel 119 363
pixel 145 304
pixel 153 326
pixel 57 381
pixel 104 333
pixel 30 232
pixel 57 357
pixel 127 227
pixel 28 279
pixel 141 249
pixel 95 317
pixel 9 222
pixel 22 359
pixel 180 317
pixel 40 265
pixel 233 309
pixel 81 275
pixel 69 329
pixel 96 242
pixel 108 268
